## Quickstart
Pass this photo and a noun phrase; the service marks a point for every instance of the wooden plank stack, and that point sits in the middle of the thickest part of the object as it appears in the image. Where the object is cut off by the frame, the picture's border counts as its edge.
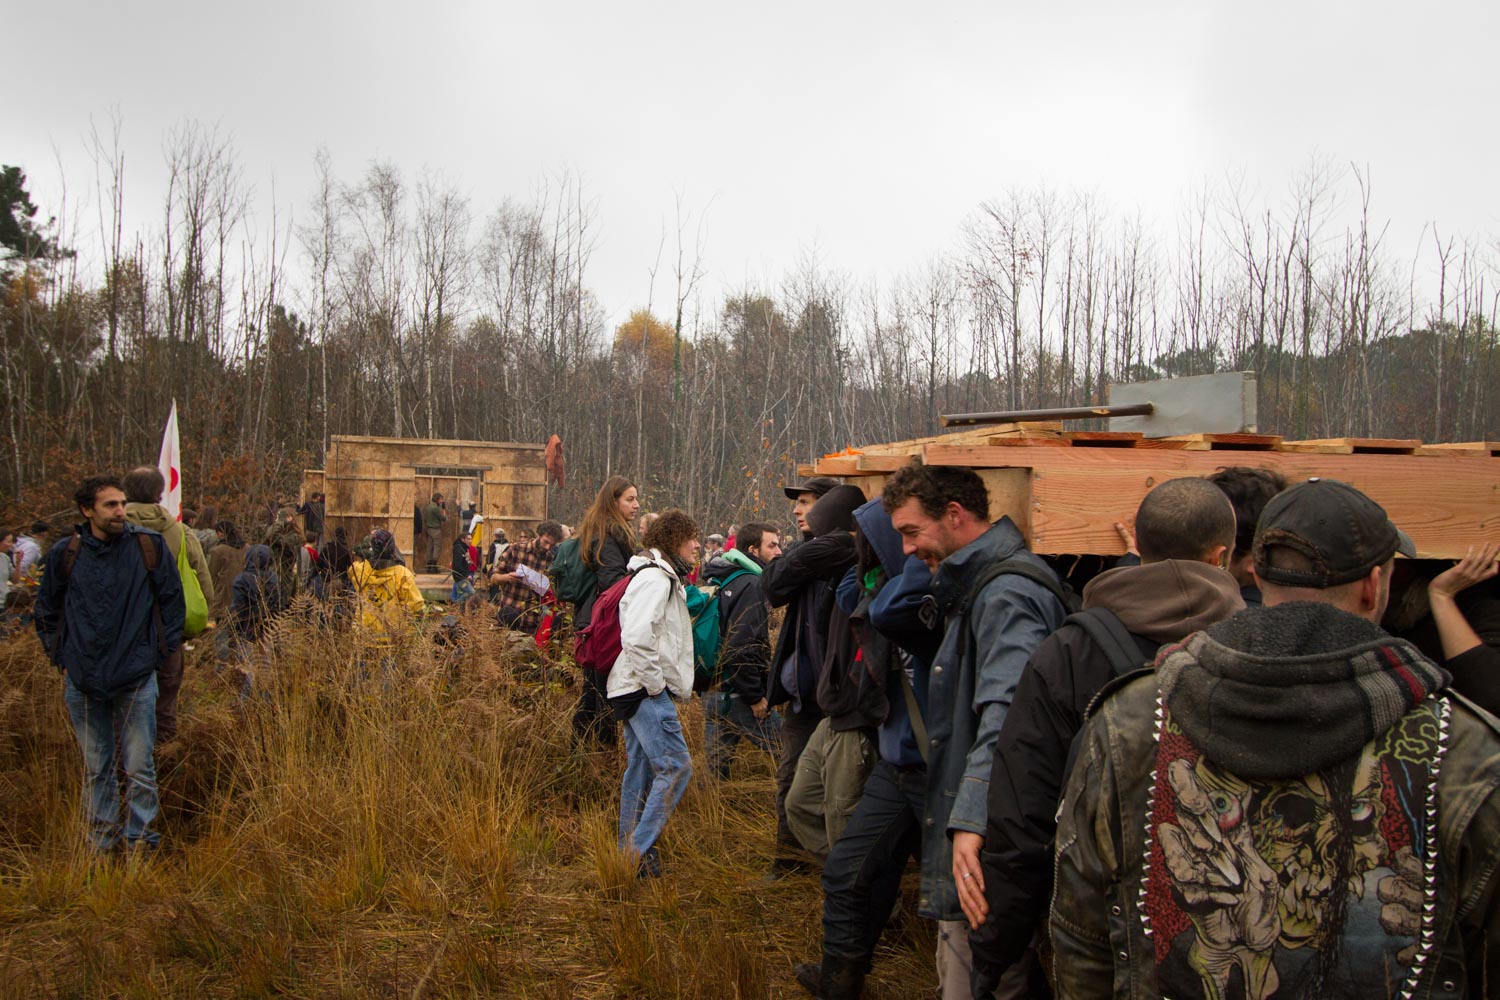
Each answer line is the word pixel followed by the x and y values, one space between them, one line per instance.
pixel 1067 489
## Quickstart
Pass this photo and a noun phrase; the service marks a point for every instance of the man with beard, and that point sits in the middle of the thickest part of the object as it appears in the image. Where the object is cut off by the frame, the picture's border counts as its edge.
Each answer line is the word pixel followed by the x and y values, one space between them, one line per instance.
pixel 109 613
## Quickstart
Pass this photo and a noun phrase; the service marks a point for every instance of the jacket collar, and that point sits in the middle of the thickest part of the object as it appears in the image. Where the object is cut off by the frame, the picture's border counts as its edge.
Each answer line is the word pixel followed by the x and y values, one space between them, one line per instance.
pixel 652 557
pixel 958 572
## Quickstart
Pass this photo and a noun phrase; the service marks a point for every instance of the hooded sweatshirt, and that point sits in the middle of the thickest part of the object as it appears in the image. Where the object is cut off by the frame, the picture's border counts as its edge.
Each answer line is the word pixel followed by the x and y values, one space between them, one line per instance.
pixel 155 517
pixel 896 611
pixel 257 594
pixel 1294 795
pixel 745 656
pixel 1158 603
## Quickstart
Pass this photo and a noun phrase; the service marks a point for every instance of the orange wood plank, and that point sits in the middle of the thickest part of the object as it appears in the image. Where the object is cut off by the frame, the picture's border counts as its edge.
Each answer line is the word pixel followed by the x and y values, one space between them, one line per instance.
pixel 967 435
pixel 1465 447
pixel 1104 439
pixel 1079 493
pixel 847 465
pixel 1361 445
pixel 1218 442
pixel 882 463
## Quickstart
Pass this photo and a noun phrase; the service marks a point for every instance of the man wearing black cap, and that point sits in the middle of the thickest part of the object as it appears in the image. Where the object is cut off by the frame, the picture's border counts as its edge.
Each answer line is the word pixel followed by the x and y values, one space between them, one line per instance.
pixel 1294 800
pixel 801 581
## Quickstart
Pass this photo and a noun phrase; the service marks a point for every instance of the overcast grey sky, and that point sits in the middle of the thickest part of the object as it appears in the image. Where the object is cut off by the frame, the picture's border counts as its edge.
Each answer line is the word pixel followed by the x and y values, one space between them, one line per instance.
pixel 865 130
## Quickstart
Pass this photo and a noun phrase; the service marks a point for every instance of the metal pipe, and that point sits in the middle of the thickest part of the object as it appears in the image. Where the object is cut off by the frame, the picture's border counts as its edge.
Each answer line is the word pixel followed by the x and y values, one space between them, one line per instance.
pixel 1060 413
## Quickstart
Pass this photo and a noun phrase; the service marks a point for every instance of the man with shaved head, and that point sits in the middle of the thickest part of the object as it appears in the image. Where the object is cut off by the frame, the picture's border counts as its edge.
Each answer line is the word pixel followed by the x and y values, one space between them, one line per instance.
pixel 1185 530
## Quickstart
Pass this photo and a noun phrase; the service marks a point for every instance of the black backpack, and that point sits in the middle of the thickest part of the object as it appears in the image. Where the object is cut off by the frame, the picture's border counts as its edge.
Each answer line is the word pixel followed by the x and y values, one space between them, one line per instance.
pixel 1119 647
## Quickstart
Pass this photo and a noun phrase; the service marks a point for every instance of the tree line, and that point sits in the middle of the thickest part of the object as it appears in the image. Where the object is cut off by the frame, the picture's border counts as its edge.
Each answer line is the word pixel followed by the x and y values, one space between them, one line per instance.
pixel 392 305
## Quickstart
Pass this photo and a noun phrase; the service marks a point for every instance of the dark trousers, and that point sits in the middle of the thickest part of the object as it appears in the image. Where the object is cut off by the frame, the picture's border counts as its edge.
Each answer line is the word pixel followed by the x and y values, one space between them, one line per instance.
pixel 862 876
pixel 796 729
pixel 593 720
pixel 168 684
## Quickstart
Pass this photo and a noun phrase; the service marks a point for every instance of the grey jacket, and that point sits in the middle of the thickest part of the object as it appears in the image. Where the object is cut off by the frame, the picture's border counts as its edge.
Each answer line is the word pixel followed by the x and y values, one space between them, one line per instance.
pixel 985 647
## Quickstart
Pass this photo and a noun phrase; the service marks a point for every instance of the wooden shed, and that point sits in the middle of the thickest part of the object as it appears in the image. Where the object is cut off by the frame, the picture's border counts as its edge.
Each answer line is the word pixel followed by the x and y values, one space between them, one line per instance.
pixel 1066 490
pixel 377 482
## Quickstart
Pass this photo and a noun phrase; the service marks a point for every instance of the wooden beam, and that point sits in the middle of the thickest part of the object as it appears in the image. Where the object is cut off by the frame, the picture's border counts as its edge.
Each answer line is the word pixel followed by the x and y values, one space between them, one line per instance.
pixel 1216 442
pixel 1079 493
pixel 1462 448
pixel 882 463
pixel 1104 439
pixel 433 442
pixel 1367 445
pixel 969 435
pixel 844 465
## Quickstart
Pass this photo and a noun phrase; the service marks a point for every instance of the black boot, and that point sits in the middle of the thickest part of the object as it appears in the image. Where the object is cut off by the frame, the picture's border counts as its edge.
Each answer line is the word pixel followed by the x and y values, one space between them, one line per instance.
pixel 835 979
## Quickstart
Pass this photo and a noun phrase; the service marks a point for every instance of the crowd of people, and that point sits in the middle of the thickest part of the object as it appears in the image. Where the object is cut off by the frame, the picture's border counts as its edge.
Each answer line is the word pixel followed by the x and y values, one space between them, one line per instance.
pixel 1230 764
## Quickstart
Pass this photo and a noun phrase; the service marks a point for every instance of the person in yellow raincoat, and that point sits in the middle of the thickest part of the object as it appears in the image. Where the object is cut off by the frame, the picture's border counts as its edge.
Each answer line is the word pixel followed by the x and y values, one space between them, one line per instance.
pixel 386 590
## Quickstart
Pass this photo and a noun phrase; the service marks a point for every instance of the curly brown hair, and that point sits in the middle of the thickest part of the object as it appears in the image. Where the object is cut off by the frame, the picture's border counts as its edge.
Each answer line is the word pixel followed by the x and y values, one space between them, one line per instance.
pixel 668 532
pixel 934 487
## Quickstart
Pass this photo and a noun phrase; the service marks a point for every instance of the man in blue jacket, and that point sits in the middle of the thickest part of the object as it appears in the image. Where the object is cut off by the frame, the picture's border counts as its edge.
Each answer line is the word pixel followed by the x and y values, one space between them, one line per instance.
pixel 999 602
pixel 995 602
pixel 109 611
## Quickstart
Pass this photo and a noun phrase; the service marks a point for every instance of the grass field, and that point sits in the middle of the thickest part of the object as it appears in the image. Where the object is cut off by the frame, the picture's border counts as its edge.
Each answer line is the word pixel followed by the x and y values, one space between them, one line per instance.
pixel 429 836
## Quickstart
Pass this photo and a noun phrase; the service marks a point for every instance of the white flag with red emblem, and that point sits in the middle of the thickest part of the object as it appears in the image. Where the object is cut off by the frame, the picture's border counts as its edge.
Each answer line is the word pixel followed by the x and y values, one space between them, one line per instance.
pixel 170 464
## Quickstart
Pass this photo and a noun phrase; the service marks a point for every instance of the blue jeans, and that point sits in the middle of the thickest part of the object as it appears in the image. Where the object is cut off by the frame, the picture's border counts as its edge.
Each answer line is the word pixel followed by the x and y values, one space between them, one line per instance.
pixel 462 590
pixel 130 718
pixel 657 769
pixel 726 721
pixel 862 876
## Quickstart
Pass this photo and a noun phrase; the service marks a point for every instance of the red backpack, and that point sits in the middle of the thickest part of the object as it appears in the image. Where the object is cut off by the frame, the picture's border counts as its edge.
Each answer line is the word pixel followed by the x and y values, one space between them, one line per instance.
pixel 598 646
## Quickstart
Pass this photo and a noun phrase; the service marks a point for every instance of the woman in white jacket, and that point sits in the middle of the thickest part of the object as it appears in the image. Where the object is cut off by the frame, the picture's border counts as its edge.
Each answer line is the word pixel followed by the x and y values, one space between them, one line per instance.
pixel 655 668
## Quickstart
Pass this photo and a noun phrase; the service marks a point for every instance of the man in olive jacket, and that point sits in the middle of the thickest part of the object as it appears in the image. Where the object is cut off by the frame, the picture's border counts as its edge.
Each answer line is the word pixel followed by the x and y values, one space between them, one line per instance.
pixel 1294 804
pixel 144 487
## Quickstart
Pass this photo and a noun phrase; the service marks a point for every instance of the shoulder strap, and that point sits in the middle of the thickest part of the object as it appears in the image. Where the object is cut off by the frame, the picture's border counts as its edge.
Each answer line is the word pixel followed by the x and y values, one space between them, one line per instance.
pixel 913 711
pixel 1018 567
pixel 148 556
pixel 70 555
pixel 730 579
pixel 719 597
pixel 1111 636
pixel 65 570
pixel 148 551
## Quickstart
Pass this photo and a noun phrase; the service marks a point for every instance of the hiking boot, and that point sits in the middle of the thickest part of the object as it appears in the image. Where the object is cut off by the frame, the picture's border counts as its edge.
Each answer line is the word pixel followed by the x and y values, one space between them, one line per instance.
pixel 650 864
pixel 836 979
pixel 809 977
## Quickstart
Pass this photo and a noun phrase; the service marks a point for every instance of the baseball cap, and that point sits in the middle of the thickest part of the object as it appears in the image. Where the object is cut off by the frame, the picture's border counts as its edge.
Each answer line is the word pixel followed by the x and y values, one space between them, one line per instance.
pixel 818 485
pixel 1340 531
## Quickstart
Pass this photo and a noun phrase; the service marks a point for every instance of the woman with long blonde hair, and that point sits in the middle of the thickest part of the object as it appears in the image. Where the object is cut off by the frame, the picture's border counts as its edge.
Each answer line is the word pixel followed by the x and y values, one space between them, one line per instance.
pixel 606 543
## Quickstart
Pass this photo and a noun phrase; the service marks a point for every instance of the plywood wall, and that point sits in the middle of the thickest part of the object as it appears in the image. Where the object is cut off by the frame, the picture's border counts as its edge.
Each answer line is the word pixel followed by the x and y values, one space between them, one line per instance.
pixel 373 483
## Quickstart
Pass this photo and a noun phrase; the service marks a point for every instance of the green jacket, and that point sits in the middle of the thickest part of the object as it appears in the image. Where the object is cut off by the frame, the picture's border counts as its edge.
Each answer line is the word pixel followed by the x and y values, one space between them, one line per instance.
pixel 1244 887
pixel 432 516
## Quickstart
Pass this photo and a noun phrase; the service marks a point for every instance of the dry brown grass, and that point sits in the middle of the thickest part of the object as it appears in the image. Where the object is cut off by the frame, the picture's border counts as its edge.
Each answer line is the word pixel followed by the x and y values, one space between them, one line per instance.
pixel 433 837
